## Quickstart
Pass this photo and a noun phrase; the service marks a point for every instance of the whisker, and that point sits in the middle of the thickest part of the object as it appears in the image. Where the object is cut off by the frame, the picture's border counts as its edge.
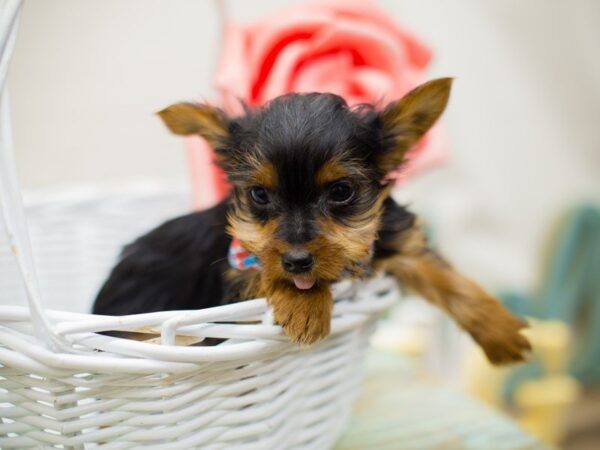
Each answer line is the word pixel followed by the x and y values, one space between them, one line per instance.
pixel 218 261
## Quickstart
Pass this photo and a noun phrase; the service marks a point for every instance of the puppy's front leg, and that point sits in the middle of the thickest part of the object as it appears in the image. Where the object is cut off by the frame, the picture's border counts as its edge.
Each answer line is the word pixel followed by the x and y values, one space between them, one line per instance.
pixel 304 315
pixel 422 270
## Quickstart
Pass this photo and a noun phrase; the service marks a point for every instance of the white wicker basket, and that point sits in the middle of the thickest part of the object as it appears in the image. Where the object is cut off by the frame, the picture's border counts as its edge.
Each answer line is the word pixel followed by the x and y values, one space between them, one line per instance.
pixel 63 385
pixel 256 390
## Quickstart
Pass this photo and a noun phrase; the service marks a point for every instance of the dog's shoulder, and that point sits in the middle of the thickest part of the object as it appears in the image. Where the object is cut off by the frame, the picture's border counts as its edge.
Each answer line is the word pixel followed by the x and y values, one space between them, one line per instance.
pixel 396 220
pixel 178 265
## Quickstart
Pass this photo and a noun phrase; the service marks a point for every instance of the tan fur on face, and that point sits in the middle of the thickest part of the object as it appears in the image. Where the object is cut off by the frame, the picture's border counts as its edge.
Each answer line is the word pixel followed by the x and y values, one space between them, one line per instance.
pixel 304 315
pixel 329 172
pixel 336 247
pixel 352 240
pixel 253 235
pixel 266 176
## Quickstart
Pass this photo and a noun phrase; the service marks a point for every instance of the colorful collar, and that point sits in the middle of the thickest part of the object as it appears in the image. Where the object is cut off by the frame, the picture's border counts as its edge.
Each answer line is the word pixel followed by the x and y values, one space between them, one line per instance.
pixel 240 258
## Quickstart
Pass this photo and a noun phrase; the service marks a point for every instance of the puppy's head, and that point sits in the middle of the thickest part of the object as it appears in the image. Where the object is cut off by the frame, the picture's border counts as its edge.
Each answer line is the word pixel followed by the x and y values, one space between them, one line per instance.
pixel 307 174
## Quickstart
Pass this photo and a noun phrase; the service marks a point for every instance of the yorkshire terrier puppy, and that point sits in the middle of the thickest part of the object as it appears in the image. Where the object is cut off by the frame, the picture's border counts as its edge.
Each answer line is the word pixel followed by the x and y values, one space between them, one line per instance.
pixel 310 205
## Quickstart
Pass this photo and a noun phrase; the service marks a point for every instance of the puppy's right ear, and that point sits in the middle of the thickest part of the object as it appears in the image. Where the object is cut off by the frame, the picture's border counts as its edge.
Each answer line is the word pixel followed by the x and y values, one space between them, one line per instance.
pixel 405 121
pixel 194 118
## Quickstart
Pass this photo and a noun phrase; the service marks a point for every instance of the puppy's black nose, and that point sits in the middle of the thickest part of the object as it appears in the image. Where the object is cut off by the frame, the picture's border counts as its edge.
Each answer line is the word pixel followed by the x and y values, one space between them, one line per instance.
pixel 297 261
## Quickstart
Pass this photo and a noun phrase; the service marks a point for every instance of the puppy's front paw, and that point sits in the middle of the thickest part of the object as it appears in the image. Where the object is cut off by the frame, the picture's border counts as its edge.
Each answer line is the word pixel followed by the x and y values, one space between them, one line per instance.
pixel 302 327
pixel 500 337
pixel 304 316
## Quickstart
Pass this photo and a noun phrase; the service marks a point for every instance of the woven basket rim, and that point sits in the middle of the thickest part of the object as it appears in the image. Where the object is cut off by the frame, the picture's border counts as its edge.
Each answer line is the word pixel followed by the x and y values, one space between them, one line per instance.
pixel 349 314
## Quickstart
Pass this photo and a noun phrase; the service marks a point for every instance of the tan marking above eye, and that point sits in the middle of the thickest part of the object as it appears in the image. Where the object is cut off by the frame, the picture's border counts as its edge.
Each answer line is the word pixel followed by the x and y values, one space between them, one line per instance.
pixel 265 175
pixel 329 172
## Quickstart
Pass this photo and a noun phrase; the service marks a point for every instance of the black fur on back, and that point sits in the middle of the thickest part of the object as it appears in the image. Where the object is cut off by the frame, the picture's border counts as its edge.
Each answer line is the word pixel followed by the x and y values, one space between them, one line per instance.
pixel 178 265
pixel 396 219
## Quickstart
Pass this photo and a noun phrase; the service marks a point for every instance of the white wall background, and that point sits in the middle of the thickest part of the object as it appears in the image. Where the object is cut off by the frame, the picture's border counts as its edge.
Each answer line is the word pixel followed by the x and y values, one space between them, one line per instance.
pixel 524 118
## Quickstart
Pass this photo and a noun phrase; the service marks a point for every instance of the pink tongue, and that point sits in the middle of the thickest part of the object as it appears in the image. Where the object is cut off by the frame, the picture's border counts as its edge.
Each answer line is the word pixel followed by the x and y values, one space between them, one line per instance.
pixel 304 282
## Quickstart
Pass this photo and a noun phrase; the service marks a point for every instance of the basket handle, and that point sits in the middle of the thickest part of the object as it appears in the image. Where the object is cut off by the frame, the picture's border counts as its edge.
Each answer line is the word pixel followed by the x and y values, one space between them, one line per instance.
pixel 12 214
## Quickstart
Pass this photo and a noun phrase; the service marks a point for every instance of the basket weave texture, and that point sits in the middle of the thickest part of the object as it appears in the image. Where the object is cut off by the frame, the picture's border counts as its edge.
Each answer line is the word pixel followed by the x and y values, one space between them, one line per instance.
pixel 255 390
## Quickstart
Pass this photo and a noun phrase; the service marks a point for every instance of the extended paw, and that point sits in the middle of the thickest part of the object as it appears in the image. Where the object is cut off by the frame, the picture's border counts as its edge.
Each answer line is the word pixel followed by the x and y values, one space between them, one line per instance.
pixel 501 339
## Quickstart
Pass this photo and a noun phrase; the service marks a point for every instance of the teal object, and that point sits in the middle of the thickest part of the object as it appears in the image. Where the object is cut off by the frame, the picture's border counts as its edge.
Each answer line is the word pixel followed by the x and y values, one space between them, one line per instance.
pixel 400 409
pixel 570 292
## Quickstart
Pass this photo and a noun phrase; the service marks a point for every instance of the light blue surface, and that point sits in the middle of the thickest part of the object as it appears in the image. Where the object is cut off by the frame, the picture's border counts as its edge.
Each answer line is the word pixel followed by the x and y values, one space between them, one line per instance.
pixel 400 410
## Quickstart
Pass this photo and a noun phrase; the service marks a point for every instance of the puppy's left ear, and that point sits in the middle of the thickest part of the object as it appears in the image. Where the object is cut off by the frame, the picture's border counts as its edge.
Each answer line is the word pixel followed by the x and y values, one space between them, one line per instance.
pixel 195 118
pixel 406 120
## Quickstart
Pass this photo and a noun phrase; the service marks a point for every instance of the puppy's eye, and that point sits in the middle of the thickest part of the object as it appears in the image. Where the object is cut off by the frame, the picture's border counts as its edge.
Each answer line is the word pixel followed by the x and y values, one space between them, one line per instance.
pixel 259 195
pixel 341 192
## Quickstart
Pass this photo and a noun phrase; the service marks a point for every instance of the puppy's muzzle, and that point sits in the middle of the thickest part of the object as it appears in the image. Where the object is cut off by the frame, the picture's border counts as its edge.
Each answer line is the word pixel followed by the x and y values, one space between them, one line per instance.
pixel 297 261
